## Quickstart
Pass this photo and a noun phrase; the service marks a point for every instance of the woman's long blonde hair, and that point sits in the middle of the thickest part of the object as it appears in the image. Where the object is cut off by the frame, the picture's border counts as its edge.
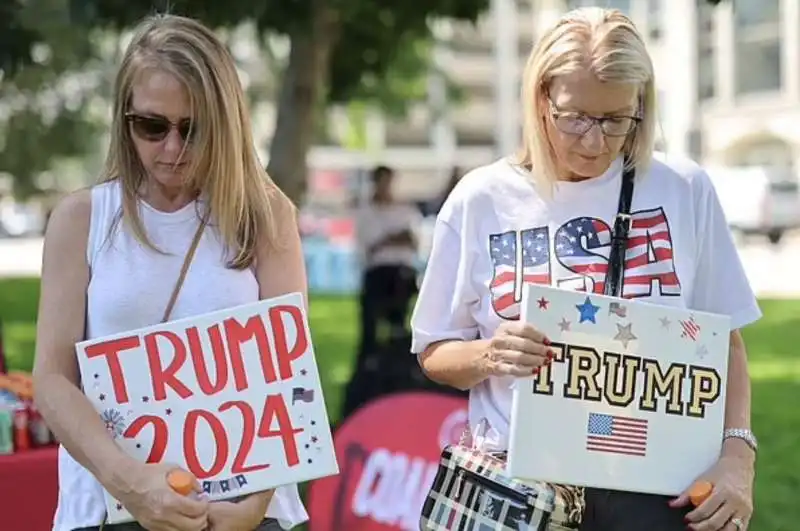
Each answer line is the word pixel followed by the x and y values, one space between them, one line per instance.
pixel 605 42
pixel 224 168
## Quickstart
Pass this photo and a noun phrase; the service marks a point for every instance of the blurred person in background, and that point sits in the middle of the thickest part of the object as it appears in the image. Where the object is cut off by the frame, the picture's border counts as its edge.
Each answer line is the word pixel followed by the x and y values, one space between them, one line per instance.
pixel 386 232
pixel 455 176
pixel 431 207
pixel 589 113
pixel 181 170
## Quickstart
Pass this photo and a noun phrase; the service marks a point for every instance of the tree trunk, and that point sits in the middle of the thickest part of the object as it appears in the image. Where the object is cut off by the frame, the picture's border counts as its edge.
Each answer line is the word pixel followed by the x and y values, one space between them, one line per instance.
pixel 303 87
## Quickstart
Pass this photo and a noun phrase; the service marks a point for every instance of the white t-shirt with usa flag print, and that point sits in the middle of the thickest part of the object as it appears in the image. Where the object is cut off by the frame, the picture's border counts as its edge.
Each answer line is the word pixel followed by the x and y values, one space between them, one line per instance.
pixel 495 232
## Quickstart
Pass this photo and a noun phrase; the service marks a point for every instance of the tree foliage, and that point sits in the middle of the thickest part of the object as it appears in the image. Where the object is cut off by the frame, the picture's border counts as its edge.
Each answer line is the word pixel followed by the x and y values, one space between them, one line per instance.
pixel 373 36
pixel 47 84
pixel 340 50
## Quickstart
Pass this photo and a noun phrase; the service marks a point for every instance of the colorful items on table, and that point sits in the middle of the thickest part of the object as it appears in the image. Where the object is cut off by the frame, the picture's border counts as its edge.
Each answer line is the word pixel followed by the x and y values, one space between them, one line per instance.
pixel 21 425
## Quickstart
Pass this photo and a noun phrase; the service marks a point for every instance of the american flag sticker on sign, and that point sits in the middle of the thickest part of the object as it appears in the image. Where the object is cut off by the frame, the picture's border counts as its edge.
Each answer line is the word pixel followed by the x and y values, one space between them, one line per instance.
pixel 616 434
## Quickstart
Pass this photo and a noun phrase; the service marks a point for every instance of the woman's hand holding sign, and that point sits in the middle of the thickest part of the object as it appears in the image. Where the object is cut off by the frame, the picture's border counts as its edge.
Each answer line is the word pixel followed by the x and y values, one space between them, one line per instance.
pixel 156 505
pixel 517 349
pixel 729 506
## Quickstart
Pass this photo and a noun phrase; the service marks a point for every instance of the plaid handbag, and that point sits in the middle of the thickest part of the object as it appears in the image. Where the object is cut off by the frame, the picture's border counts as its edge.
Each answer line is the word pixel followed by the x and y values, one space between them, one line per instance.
pixel 472 492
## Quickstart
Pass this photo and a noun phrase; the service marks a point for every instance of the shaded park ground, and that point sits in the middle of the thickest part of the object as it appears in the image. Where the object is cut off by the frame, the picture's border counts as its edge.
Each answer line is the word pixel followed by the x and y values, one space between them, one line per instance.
pixel 774 365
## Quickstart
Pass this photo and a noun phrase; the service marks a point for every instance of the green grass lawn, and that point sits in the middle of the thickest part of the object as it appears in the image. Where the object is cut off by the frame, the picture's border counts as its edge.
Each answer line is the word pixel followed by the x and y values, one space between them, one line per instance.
pixel 774 365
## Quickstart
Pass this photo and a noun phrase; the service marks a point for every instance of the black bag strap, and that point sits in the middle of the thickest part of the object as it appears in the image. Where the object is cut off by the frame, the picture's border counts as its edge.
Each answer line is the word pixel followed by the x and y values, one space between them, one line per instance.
pixel 619 238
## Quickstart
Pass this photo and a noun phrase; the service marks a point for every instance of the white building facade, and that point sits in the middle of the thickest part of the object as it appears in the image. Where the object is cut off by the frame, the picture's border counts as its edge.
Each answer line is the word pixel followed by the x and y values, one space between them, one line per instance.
pixel 728 81
pixel 728 76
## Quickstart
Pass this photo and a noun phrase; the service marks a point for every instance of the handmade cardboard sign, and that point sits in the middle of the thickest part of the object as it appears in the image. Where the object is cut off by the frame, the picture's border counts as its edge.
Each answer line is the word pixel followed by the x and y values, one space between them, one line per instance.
pixel 634 399
pixel 233 396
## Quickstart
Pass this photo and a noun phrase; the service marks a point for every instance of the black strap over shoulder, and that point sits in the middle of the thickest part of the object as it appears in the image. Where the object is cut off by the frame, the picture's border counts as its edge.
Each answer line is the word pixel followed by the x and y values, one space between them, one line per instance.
pixel 619 238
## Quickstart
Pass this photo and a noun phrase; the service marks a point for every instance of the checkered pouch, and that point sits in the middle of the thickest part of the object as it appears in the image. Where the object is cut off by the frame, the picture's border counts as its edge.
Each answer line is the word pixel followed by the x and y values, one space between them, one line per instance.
pixel 471 492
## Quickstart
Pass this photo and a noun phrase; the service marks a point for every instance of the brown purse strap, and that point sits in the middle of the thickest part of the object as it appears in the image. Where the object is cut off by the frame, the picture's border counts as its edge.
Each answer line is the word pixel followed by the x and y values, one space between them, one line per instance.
pixel 184 269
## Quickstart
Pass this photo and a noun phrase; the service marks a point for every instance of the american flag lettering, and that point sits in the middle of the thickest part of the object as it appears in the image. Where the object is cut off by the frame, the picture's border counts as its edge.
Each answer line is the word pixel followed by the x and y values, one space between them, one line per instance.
pixel 616 434
pixel 649 255
pixel 582 245
pixel 690 329
pixel 528 248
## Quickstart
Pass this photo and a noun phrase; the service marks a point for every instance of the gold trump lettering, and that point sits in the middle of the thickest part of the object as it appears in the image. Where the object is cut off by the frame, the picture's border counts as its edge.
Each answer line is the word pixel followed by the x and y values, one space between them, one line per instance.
pixel 610 376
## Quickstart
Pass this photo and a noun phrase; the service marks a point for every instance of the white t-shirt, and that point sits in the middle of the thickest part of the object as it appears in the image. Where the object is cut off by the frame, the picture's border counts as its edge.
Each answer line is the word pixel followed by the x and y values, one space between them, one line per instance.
pixel 377 221
pixel 680 253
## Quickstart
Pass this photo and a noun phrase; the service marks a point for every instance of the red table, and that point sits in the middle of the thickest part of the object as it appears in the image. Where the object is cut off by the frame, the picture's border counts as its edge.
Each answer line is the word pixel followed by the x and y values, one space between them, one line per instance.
pixel 28 490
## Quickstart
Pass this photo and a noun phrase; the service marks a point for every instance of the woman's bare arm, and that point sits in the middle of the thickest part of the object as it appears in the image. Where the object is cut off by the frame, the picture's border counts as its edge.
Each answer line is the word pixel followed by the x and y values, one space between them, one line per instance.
pixel 61 322
pixel 283 270
pixel 459 364
pixel 737 407
pixel 279 271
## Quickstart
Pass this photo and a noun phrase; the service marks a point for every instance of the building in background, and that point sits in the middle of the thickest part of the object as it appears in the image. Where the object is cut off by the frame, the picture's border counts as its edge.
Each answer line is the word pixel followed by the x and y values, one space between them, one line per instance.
pixel 728 84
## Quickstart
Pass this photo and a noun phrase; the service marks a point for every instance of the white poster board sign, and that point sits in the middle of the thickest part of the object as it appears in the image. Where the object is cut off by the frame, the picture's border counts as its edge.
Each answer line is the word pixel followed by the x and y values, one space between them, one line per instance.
pixel 634 399
pixel 232 396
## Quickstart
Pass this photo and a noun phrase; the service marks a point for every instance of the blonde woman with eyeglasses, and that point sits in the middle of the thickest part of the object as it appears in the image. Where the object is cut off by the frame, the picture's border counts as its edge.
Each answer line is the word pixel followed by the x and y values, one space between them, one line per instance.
pixel 181 165
pixel 589 114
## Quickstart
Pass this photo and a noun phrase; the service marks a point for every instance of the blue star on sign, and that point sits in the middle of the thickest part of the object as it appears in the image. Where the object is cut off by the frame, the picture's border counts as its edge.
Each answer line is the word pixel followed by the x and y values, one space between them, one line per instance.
pixel 588 310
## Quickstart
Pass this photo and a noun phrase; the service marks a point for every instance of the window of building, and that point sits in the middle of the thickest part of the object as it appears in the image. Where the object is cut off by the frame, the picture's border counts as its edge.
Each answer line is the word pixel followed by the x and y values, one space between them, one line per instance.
pixel 706 51
pixel 768 152
pixel 622 5
pixel 654 24
pixel 758 45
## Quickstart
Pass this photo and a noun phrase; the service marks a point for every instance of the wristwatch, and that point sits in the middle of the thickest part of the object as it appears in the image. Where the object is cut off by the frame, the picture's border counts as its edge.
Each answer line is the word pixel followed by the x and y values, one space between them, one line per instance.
pixel 740 433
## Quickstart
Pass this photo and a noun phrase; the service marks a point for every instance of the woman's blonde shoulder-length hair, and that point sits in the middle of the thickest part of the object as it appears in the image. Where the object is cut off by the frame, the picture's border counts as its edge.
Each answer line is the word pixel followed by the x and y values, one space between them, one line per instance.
pixel 606 43
pixel 241 199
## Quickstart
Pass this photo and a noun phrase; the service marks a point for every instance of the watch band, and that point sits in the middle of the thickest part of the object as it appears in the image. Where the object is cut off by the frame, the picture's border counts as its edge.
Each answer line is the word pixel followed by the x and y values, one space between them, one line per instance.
pixel 744 434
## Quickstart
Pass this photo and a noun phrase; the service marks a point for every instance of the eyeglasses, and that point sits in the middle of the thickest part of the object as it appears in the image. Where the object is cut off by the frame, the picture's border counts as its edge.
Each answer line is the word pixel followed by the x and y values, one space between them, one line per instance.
pixel 578 123
pixel 156 128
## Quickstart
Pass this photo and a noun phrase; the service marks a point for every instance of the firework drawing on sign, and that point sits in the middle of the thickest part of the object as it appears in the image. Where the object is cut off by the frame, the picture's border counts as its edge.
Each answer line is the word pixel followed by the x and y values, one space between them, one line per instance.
pixel 114 422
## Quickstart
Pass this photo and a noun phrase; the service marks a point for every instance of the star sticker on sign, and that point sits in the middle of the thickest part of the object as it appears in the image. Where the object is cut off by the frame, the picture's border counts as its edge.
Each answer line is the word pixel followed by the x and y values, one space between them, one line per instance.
pixel 624 334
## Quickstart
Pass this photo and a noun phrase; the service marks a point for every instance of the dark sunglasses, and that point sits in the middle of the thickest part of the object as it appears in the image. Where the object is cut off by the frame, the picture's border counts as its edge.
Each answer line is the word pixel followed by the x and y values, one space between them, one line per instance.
pixel 156 128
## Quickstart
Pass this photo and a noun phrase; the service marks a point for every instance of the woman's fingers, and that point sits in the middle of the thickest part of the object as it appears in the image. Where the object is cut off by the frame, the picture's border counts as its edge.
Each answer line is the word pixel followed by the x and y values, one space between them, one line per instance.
pixel 525 330
pixel 509 369
pixel 527 346
pixel 518 349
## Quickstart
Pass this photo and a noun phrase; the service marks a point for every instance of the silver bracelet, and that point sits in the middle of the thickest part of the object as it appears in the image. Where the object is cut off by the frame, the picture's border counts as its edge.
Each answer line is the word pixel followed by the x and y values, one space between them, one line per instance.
pixel 744 434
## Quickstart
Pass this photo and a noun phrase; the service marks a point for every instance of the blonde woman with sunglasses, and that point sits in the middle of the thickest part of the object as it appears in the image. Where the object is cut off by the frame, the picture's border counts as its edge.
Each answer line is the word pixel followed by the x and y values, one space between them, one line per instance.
pixel 546 216
pixel 181 164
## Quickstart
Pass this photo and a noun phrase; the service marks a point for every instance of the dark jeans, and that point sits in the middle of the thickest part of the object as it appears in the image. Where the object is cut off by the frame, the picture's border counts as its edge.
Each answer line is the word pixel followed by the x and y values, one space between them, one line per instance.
pixel 268 524
pixel 386 293
pixel 611 510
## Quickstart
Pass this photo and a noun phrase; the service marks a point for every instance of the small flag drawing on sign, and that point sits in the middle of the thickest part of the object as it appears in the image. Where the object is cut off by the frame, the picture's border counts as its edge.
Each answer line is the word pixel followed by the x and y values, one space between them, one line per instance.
pixel 617 309
pixel 690 329
pixel 303 395
pixel 616 434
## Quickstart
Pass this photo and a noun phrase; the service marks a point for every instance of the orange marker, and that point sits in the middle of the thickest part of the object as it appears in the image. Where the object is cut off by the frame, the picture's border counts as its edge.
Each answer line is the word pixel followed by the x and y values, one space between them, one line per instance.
pixel 700 492
pixel 181 481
